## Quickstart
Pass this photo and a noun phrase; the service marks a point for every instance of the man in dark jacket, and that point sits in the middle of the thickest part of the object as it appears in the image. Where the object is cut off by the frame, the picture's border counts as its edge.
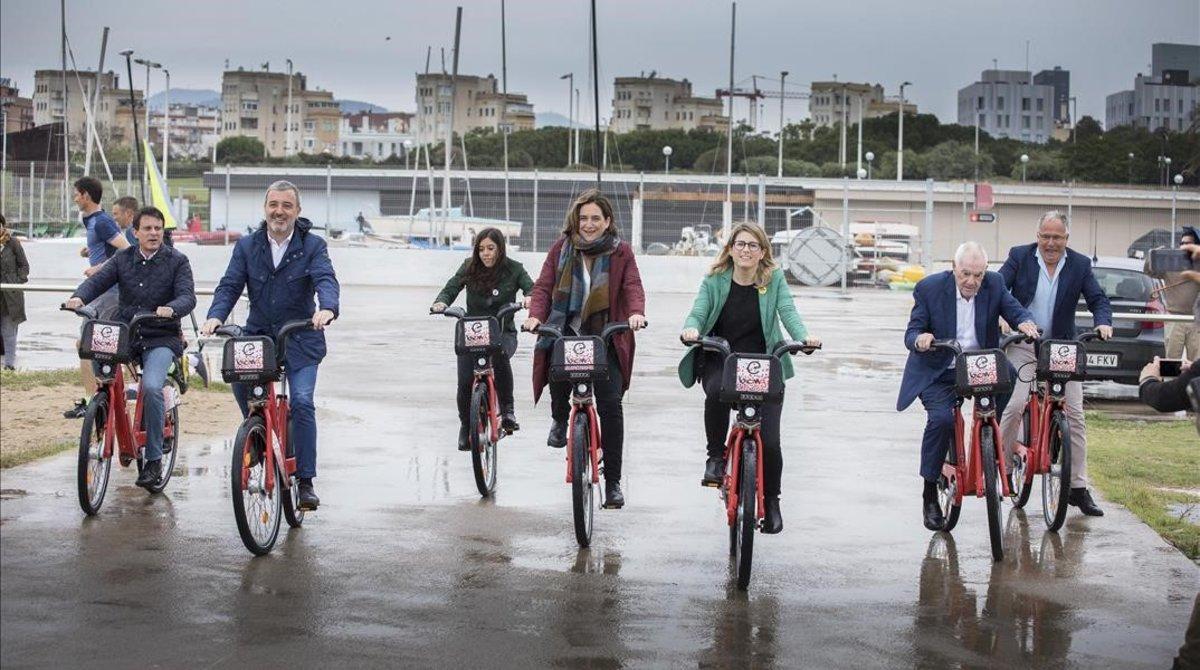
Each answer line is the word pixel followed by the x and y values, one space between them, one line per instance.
pixel 284 266
pixel 1048 278
pixel 150 278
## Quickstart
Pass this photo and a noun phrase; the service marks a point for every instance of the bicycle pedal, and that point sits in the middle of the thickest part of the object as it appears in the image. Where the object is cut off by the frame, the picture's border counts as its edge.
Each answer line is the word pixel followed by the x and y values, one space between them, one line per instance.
pixel 709 484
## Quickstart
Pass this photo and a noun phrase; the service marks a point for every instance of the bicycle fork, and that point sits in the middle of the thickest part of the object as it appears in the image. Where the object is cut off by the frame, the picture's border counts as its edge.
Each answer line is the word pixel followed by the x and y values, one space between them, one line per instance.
pixel 586 406
pixel 733 456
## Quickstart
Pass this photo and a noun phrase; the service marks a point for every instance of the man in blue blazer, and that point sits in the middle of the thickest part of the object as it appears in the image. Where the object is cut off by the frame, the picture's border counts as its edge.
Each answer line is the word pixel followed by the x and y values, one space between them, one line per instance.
pixel 1048 278
pixel 964 304
pixel 284 267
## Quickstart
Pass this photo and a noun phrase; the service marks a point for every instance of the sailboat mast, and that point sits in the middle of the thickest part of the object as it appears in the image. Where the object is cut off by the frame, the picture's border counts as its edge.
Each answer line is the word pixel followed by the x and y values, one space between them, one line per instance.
pixel 449 146
pixel 66 148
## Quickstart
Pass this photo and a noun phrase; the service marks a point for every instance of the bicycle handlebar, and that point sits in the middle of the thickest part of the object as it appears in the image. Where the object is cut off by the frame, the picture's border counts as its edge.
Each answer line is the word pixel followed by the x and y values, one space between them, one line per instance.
pixel 89 313
pixel 547 330
pixel 234 330
pixel 1015 336
pixel 460 313
pixel 950 345
pixel 721 346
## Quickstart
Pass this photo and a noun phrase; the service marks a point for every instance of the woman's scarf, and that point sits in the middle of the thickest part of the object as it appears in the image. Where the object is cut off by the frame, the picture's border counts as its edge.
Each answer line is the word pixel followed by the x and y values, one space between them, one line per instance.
pixel 568 298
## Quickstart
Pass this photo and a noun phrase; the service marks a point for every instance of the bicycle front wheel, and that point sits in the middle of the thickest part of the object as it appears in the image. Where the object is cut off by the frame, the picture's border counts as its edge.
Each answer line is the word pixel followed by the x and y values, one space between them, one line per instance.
pixel 583 491
pixel 743 555
pixel 93 468
pixel 256 511
pixel 1056 483
pixel 991 490
pixel 483 447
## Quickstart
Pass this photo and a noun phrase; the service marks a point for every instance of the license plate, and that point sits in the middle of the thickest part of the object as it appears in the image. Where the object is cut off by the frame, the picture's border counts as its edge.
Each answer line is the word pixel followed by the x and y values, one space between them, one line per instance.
pixel 1102 360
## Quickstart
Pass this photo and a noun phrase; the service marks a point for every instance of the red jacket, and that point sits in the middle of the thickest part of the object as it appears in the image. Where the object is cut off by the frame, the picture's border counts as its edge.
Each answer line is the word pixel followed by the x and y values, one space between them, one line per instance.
pixel 625 298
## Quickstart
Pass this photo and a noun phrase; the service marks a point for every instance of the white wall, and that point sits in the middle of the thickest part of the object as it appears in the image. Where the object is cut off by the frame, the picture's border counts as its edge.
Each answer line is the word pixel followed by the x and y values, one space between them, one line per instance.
pixel 246 207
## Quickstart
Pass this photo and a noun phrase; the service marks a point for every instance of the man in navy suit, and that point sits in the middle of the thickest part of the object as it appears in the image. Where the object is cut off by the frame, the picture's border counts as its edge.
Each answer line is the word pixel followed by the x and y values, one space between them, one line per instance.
pixel 964 304
pixel 1048 279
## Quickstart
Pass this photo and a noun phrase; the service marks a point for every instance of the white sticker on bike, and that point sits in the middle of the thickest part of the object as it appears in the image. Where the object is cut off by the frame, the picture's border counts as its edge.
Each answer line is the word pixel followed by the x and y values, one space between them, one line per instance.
pixel 982 370
pixel 1063 357
pixel 753 375
pixel 579 353
pixel 477 333
pixel 106 339
pixel 248 356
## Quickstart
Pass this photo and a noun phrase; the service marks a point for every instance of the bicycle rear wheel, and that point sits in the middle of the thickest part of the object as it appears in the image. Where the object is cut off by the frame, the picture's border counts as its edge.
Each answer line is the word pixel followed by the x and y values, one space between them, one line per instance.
pixel 1056 483
pixel 992 492
pixel 583 492
pixel 743 555
pixel 1020 477
pixel 293 514
pixel 257 512
pixel 93 468
pixel 483 447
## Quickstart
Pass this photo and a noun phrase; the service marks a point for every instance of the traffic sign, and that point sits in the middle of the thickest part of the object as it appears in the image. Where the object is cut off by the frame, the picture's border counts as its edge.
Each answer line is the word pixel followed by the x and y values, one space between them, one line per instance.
pixel 982 217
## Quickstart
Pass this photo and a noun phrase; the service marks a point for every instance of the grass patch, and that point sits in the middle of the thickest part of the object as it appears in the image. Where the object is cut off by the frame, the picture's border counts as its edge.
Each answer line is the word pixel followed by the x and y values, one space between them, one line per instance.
pixel 17 455
pixel 23 380
pixel 1132 461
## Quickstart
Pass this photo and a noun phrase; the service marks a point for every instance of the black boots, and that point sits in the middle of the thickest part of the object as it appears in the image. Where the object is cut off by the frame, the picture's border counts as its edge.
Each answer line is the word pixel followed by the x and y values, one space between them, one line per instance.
pixel 151 473
pixel 464 443
pixel 1082 498
pixel 308 497
pixel 558 435
pixel 772 522
pixel 714 471
pixel 613 498
pixel 931 512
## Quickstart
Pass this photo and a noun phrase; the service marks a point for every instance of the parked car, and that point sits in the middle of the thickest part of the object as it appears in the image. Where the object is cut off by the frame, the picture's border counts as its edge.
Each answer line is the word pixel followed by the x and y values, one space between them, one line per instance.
pixel 1134 343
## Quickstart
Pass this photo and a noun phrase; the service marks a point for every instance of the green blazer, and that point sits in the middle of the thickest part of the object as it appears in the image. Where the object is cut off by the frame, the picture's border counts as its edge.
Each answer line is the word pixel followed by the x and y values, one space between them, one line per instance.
pixel 775 304
pixel 512 277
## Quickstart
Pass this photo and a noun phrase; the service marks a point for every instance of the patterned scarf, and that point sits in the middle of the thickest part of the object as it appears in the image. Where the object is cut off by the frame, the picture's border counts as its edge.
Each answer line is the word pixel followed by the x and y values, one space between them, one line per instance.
pixel 569 298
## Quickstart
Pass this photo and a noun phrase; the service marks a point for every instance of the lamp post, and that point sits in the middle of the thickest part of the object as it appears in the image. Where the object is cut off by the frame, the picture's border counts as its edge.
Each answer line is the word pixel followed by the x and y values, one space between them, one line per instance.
pixel 1074 110
pixel 4 153
pixel 133 114
pixel 407 148
pixel 287 137
pixel 570 77
pixel 870 158
pixel 667 157
pixel 862 173
pixel 146 95
pixel 1164 168
pixel 1174 191
pixel 166 123
pixel 900 136
pixel 1131 167
pixel 1024 162
pixel 782 76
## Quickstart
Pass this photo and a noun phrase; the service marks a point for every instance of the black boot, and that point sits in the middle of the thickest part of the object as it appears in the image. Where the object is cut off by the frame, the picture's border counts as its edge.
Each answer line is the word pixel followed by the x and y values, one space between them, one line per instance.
pixel 508 421
pixel 558 435
pixel 772 519
pixel 151 473
pixel 714 471
pixel 77 411
pixel 613 498
pixel 931 512
pixel 464 443
pixel 308 497
pixel 1082 498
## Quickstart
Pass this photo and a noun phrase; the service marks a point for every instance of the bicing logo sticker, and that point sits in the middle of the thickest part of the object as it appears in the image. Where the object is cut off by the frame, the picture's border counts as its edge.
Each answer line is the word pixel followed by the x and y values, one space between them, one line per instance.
pixel 579 353
pixel 248 356
pixel 1063 358
pixel 753 375
pixel 477 333
pixel 982 370
pixel 106 339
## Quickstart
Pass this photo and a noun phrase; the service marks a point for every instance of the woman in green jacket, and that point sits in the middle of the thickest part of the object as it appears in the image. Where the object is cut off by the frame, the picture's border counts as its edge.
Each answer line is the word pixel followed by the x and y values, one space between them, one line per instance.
pixel 491 279
pixel 743 299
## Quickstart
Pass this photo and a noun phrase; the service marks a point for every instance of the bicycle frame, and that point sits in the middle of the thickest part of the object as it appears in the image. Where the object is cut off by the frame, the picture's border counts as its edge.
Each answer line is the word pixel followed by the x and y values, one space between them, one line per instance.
pixel 274 410
pixel 117 426
pixel 968 468
pixel 733 460
pixel 585 403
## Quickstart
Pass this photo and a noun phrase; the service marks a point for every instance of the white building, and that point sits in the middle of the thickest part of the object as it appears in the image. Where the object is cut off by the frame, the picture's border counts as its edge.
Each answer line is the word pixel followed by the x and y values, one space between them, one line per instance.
pixel 1167 99
pixel 375 136
pixel 195 130
pixel 1006 103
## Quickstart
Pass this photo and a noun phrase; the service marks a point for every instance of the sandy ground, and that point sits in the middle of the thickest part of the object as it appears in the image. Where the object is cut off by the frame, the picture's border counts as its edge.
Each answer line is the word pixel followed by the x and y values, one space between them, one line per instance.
pixel 32 419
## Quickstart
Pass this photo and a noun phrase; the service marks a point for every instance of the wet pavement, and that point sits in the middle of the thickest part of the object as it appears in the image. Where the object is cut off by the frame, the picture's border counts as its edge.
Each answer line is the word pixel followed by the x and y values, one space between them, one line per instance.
pixel 405 566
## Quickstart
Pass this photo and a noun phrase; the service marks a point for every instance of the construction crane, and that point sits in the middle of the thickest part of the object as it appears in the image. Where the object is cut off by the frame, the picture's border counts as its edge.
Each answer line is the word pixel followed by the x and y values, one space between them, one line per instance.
pixel 754 94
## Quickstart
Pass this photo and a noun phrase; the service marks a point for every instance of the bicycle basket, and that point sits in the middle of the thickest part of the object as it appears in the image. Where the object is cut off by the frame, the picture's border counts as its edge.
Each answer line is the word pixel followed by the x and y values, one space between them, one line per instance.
pixel 1061 360
pixel 984 372
pixel 105 341
pixel 752 378
pixel 579 358
pixel 249 360
pixel 476 335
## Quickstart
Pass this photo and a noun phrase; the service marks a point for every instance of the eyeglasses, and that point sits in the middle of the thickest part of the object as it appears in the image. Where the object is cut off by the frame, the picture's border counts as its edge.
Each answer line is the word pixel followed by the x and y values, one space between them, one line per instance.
pixel 1052 238
pixel 743 244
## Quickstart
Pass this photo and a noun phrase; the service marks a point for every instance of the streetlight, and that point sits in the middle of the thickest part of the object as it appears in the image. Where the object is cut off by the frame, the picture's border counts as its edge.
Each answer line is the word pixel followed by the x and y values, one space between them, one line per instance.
pixel 166 123
pixel 870 158
pixel 570 77
pixel 133 114
pixel 1164 163
pixel 1174 191
pixel 4 151
pixel 1131 167
pixel 287 138
pixel 146 95
pixel 900 137
pixel 782 75
pixel 407 148
pixel 1074 111
pixel 862 173
pixel 667 156
pixel 1024 162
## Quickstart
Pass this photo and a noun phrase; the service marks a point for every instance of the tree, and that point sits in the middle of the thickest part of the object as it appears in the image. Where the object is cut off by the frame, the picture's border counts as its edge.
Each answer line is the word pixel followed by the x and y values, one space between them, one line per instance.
pixel 1045 165
pixel 956 160
pixel 240 149
pixel 767 165
pixel 1087 128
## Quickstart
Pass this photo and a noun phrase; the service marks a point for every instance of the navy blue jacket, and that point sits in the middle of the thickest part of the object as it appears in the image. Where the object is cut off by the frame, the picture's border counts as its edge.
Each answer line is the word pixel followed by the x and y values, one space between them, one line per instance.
pixel 1020 274
pixel 935 310
pixel 145 285
pixel 279 295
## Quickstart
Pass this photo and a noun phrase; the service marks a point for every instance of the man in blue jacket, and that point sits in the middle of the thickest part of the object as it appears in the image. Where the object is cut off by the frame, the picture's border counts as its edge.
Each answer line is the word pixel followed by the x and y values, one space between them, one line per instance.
pixel 965 305
pixel 151 277
pixel 284 266
pixel 1048 278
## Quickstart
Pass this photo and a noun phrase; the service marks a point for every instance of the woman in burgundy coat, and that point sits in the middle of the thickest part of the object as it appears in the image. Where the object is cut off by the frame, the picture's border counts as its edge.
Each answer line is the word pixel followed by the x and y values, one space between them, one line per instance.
pixel 590 279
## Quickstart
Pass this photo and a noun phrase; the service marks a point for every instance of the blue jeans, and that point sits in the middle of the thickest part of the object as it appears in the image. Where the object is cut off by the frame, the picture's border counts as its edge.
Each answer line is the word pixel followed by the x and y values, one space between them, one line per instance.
pixel 939 398
pixel 155 364
pixel 302 383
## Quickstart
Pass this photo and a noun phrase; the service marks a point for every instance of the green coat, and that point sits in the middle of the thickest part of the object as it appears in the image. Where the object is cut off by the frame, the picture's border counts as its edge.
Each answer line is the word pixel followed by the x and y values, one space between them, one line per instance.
pixel 512 277
pixel 775 304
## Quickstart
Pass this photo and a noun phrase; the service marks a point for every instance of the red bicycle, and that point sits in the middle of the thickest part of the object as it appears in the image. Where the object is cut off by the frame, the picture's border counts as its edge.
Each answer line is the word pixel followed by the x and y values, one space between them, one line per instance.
pixel 582 360
pixel 1043 446
pixel 262 475
pixel 107 424
pixel 748 381
pixel 981 375
pixel 479 337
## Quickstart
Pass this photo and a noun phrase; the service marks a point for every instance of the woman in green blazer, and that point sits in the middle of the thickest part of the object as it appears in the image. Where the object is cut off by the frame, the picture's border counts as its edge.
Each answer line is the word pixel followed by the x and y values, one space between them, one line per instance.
pixel 491 279
pixel 743 300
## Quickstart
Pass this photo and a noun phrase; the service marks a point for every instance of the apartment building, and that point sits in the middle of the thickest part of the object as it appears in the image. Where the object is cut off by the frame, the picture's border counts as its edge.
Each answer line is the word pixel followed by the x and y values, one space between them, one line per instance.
pixel 111 115
pixel 477 103
pixel 255 103
pixel 659 103
pixel 1007 103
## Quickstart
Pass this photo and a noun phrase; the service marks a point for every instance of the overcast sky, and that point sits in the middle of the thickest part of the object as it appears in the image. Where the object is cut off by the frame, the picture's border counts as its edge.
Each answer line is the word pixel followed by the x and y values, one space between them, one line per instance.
pixel 939 45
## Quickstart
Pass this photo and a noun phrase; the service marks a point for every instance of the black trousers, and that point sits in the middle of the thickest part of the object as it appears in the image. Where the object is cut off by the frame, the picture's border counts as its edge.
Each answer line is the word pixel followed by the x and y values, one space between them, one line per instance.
pixel 503 373
pixel 716 427
pixel 612 415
